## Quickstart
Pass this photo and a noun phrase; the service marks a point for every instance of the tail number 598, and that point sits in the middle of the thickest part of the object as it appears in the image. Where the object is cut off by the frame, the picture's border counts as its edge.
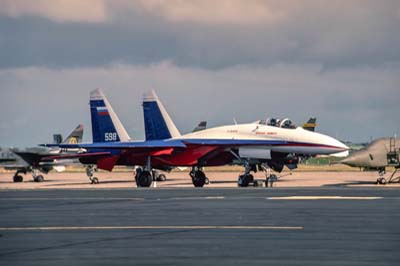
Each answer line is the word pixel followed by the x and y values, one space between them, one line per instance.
pixel 110 136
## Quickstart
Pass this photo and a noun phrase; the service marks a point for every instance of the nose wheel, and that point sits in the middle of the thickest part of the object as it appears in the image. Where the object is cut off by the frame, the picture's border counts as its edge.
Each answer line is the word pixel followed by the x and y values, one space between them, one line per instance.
pixel 37 177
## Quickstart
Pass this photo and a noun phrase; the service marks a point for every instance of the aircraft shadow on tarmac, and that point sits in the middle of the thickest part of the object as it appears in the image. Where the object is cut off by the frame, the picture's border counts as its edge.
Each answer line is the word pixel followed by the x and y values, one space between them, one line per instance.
pixel 350 183
pixel 87 183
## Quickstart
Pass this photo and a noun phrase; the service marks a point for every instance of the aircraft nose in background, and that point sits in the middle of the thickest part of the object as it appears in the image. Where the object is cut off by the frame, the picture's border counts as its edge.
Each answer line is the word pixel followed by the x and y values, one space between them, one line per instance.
pixel 355 159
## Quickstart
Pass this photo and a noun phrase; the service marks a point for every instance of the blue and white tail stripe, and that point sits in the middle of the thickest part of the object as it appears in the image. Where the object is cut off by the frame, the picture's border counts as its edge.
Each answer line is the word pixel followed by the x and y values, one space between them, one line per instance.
pixel 157 122
pixel 106 125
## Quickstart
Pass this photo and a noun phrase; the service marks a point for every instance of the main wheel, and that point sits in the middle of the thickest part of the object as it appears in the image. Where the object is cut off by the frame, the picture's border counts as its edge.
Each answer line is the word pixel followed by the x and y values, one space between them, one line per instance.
pixel 38 178
pixel 18 178
pixel 161 177
pixel 144 179
pixel 95 180
pixel 199 179
pixel 245 180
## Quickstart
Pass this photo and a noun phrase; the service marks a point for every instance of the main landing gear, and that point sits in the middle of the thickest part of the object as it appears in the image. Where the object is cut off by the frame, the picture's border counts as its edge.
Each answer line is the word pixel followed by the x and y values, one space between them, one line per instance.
pixel 144 177
pixel 199 178
pixel 18 177
pixel 37 177
pixel 381 180
pixel 90 170
pixel 247 178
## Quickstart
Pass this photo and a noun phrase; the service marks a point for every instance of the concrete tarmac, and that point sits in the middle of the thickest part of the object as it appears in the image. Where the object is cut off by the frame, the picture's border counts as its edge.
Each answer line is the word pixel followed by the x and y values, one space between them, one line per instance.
pixel 186 226
pixel 68 180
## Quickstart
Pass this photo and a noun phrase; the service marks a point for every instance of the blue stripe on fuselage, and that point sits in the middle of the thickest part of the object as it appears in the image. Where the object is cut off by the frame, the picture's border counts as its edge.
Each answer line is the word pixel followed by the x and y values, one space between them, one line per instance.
pixel 233 142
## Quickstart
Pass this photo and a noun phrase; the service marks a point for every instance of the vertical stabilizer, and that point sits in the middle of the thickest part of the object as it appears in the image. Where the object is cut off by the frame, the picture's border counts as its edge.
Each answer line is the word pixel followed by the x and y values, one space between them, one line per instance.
pixel 311 124
pixel 106 125
pixel 157 122
pixel 75 137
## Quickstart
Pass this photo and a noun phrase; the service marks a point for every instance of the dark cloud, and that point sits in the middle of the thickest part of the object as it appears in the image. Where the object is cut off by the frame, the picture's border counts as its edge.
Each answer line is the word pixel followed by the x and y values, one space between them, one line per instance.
pixel 338 61
pixel 333 35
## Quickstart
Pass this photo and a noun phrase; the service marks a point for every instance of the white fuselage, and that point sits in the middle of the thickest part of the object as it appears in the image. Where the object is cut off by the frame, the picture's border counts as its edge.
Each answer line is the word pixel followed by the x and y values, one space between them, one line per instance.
pixel 297 140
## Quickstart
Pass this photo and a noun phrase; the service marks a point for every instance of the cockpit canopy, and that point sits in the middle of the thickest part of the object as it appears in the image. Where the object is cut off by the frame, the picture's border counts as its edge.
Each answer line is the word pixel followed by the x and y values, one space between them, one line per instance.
pixel 276 122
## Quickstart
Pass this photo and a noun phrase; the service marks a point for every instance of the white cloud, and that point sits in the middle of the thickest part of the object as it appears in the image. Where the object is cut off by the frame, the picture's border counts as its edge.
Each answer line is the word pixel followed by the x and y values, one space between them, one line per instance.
pixel 57 10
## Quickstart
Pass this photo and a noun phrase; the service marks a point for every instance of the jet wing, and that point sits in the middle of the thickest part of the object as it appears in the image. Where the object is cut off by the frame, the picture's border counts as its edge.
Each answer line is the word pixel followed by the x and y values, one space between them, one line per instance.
pixel 142 145
pixel 31 157
pixel 78 155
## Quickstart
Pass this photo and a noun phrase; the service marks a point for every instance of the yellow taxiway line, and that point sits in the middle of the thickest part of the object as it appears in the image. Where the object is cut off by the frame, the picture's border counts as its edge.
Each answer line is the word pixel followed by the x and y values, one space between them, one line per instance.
pixel 139 227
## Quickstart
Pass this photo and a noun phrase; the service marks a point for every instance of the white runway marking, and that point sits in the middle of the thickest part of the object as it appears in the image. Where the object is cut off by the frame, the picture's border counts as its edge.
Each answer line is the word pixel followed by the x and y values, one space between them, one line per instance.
pixel 139 227
pixel 113 198
pixel 196 198
pixel 93 198
pixel 323 198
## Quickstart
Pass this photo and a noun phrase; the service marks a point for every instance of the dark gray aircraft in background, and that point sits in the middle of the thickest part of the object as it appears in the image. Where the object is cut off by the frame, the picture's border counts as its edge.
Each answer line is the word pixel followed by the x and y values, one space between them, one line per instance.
pixel 378 155
pixel 33 160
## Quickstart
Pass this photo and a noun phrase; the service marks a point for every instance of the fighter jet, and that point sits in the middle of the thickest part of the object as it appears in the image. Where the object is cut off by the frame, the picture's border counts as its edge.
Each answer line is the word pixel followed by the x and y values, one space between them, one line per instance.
pixel 255 146
pixel 378 155
pixel 311 124
pixel 201 126
pixel 34 160
pixel 106 128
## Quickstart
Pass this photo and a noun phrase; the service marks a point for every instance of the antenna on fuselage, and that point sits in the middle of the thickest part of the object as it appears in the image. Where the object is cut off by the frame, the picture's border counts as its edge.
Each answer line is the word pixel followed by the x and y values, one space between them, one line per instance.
pixel 234 120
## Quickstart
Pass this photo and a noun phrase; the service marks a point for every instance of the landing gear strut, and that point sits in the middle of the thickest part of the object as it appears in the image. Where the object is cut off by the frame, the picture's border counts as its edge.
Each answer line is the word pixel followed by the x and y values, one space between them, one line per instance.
pixel 381 180
pixel 18 177
pixel 269 178
pixel 247 178
pixel 392 177
pixel 90 170
pixel 144 177
pixel 37 177
pixel 199 178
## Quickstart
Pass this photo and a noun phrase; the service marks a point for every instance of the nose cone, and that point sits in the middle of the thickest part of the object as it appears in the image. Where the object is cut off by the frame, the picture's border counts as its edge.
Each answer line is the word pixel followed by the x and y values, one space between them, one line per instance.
pixel 338 148
pixel 356 159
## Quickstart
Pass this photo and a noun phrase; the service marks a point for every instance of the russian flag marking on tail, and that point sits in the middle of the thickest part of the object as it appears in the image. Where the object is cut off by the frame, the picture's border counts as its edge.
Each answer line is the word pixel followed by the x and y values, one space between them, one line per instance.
pixel 106 126
pixel 102 111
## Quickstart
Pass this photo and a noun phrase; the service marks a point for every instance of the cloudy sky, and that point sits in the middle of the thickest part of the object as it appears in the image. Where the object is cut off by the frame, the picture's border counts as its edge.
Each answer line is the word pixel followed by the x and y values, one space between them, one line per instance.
pixel 208 60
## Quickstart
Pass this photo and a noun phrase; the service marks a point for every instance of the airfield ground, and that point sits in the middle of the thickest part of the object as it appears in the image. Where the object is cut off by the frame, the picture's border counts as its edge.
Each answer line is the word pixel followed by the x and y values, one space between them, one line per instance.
pixel 220 179
pixel 308 218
